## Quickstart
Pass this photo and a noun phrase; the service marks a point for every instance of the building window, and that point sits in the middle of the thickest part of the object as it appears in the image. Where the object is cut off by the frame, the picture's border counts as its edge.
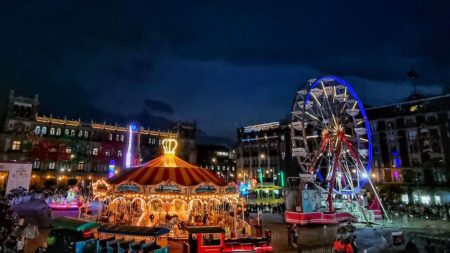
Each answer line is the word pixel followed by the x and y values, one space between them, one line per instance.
pixel 412 135
pixel 51 165
pixel 95 151
pixel 107 153
pixel 16 145
pixel 37 130
pixel 119 153
pixel 68 150
pixel 117 137
pixel 86 134
pixel 58 132
pixel 282 137
pixel 80 166
pixel 52 131
pixel 66 132
pixel 44 130
pixel 36 164
pixel 110 137
pixel 80 134
pixel 121 138
pixel 72 133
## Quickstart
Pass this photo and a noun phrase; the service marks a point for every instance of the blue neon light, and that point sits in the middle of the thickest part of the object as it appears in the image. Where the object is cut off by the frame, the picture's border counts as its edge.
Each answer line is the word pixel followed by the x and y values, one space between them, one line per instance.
pixel 363 113
pixel 320 175
pixel 243 189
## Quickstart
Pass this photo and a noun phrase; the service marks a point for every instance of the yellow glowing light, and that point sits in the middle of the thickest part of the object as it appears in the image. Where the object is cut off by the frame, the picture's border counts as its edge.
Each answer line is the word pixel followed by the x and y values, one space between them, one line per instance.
pixel 413 108
pixel 89 177
pixel 169 146
pixel 33 176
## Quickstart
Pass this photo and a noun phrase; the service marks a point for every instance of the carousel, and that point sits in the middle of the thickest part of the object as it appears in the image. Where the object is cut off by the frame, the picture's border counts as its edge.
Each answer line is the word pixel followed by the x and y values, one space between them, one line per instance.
pixel 168 191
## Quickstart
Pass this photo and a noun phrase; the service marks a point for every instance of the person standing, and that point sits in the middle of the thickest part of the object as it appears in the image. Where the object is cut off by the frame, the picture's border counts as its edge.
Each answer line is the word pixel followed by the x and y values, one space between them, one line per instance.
pixel 339 246
pixel 289 234
pixel 20 245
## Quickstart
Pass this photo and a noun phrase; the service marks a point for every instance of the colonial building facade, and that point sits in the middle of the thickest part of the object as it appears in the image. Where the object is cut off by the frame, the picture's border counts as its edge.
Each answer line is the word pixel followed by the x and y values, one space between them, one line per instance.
pixel 411 148
pixel 61 149
pixel 219 159
pixel 264 152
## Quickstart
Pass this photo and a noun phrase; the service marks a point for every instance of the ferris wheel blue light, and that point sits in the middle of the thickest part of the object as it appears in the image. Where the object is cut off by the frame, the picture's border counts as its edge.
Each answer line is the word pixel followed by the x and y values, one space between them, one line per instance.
pixel 366 122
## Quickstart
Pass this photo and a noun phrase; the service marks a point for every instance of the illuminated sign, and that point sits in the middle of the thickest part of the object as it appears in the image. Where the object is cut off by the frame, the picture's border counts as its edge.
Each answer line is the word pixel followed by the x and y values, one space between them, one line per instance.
pixel 261 127
pixel 167 188
pixel 205 188
pixel 230 189
pixel 128 188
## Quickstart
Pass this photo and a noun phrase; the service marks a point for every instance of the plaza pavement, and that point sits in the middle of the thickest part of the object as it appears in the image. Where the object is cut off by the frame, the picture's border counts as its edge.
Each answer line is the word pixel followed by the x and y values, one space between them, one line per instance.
pixel 311 238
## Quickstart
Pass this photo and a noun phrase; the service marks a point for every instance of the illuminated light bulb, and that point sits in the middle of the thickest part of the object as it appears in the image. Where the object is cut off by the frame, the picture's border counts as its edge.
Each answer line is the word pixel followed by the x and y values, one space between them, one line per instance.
pixel 364 175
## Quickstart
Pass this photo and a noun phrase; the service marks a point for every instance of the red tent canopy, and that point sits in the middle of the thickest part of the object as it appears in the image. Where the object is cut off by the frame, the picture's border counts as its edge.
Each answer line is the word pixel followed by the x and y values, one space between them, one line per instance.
pixel 167 168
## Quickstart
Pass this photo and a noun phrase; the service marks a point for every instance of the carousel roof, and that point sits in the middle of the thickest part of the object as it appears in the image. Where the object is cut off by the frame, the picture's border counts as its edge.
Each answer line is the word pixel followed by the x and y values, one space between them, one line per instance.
pixel 167 167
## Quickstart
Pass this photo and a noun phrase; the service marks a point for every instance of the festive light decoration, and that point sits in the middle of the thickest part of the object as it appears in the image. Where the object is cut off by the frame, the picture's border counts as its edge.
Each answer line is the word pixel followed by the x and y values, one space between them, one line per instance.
pixel 243 189
pixel 130 142
pixel 169 146
pixel 282 178
pixel 111 168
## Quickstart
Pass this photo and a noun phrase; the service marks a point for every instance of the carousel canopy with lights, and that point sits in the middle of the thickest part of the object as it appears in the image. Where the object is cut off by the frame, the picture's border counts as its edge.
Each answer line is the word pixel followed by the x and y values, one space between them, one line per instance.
pixel 166 174
pixel 167 184
pixel 168 168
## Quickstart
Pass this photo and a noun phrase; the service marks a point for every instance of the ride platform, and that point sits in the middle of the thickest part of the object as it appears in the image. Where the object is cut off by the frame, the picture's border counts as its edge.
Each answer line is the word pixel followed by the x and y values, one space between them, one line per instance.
pixel 319 218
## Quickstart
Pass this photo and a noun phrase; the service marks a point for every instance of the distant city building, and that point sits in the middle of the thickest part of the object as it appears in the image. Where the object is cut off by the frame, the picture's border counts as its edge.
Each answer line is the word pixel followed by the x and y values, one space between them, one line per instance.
pixel 220 160
pixel 411 148
pixel 61 149
pixel 264 153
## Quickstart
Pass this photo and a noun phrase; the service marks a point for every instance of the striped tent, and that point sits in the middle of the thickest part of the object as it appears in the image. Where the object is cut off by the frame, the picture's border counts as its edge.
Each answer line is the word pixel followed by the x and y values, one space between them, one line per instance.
pixel 167 167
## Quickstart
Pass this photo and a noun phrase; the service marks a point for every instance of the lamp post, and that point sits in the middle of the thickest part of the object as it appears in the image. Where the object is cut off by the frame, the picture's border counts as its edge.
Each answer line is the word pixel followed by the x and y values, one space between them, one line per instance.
pixel 261 170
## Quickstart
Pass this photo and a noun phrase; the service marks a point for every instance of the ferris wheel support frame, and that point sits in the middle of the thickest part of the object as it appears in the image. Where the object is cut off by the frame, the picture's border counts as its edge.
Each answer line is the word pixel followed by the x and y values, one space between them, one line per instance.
pixel 353 153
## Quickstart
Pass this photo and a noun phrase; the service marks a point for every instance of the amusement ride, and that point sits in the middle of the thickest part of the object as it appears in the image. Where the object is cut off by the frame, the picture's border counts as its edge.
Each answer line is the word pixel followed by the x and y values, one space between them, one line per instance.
pixel 332 144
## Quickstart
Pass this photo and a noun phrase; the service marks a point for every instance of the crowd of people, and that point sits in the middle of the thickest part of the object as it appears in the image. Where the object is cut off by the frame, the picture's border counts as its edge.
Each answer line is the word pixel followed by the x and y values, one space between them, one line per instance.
pixel 266 208
pixel 13 230
pixel 418 210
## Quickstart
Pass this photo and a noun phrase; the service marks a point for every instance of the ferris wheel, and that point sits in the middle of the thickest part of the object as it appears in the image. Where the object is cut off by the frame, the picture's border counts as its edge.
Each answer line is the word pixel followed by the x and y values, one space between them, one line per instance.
pixel 331 135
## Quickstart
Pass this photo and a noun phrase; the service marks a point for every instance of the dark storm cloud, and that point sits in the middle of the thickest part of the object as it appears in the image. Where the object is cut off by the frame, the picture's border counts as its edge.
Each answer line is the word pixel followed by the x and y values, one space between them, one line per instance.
pixel 378 40
pixel 156 122
pixel 216 62
pixel 158 106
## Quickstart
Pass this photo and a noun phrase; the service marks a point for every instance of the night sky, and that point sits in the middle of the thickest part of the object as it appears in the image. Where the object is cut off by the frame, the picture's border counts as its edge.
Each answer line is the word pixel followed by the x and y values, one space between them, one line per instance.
pixel 224 64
